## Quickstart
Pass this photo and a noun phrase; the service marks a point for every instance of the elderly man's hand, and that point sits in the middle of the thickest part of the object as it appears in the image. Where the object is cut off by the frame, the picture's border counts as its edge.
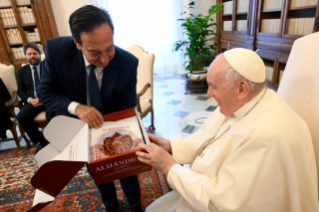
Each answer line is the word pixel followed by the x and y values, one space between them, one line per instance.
pixel 162 142
pixel 157 157
pixel 90 115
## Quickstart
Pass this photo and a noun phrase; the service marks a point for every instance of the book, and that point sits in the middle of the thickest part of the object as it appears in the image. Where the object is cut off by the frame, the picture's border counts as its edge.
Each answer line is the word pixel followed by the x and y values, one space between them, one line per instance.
pixel 6 16
pixel 269 72
pixel 281 72
pixel 228 7
pixel 270 25
pixel 301 24
pixel 242 6
pixel 227 25
pixel 115 137
pixel 37 34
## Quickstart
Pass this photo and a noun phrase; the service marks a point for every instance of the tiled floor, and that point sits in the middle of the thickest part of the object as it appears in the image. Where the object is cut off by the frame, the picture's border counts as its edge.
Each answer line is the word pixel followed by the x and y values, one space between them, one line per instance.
pixel 176 114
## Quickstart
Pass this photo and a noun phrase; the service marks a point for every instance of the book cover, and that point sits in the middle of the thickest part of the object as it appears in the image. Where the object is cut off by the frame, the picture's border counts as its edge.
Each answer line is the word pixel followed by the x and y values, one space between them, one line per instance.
pixel 115 137
pixel 114 145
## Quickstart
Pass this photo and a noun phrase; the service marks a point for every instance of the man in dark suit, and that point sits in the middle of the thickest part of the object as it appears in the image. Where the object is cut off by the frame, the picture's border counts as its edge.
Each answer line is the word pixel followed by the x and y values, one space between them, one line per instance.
pixel 86 75
pixel 5 122
pixel 28 79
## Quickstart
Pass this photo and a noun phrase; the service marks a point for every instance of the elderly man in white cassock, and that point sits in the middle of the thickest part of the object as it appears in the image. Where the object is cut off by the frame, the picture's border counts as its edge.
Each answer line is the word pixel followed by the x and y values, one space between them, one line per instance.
pixel 253 153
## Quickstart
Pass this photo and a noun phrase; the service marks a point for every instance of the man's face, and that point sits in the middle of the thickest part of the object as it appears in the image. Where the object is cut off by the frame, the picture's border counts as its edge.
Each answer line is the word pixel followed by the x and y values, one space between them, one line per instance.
pixel 220 89
pixel 32 56
pixel 97 46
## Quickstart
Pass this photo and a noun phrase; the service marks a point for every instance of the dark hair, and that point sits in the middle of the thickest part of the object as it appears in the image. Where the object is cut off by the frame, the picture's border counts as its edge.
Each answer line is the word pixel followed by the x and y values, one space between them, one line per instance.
pixel 87 18
pixel 33 46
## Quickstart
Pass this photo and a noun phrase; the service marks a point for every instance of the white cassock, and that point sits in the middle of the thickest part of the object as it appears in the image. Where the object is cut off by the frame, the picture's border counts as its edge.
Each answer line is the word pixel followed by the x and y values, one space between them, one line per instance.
pixel 262 159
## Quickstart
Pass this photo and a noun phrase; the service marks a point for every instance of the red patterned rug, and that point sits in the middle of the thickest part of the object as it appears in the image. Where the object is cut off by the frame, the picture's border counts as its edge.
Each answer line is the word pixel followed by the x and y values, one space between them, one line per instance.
pixel 16 193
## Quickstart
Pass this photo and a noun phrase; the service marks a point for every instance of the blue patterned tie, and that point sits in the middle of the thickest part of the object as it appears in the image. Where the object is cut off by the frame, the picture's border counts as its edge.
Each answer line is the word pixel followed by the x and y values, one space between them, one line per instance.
pixel 94 91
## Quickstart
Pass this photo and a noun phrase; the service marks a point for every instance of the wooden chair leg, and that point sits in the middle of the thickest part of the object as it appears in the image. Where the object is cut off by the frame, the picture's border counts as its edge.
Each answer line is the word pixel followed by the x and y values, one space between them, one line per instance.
pixel 152 119
pixel 14 133
pixel 24 137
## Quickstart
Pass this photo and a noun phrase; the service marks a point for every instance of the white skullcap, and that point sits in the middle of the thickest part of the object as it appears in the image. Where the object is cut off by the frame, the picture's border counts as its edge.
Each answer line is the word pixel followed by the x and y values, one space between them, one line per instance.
pixel 247 63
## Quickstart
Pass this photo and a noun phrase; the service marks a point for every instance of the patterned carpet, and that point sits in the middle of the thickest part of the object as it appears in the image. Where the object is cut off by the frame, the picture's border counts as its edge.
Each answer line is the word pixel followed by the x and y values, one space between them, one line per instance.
pixel 81 194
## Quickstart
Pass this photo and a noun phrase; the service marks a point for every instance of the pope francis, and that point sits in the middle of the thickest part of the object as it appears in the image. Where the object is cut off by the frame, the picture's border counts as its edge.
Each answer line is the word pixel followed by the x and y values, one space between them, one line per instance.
pixel 253 153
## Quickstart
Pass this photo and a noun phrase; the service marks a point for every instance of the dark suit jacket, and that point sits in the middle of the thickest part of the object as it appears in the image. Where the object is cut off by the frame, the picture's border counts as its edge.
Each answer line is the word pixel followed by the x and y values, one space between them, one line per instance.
pixel 64 78
pixel 4 93
pixel 25 82
pixel 4 112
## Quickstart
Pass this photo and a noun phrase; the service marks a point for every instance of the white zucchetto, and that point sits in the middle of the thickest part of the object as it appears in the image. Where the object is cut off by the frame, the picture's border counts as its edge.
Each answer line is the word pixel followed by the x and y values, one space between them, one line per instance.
pixel 247 63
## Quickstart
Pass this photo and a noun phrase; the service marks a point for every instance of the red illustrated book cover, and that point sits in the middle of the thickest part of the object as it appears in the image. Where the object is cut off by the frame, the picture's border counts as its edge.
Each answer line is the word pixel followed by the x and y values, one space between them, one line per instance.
pixel 113 147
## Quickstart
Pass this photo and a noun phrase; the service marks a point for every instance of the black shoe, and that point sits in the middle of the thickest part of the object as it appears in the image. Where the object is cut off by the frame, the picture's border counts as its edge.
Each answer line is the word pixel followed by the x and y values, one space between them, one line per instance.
pixel 114 208
pixel 41 146
pixel 3 136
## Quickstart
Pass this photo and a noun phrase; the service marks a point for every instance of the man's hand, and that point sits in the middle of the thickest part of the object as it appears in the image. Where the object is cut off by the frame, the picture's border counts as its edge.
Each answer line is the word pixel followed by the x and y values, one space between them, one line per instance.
pixel 90 115
pixel 157 157
pixel 35 102
pixel 162 142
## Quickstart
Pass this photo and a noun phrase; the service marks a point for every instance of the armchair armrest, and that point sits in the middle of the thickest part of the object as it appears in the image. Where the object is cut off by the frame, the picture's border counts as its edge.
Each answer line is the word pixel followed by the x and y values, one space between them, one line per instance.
pixel 148 85
pixel 10 102
pixel 138 95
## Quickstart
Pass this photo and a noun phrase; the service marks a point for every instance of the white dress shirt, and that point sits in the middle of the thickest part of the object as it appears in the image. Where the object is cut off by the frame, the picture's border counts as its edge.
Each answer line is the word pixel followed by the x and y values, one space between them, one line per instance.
pixel 99 76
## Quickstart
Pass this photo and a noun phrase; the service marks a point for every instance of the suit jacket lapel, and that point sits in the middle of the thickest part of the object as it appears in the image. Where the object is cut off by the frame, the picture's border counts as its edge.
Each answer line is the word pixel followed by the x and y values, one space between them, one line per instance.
pixel 79 75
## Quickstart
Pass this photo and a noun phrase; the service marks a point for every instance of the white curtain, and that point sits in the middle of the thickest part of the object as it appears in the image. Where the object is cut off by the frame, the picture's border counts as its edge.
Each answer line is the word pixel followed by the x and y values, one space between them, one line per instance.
pixel 151 24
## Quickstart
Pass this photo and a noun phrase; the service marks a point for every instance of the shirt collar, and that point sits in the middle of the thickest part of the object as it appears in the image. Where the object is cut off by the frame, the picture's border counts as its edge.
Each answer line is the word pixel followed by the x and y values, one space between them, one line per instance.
pixel 37 66
pixel 86 63
pixel 246 107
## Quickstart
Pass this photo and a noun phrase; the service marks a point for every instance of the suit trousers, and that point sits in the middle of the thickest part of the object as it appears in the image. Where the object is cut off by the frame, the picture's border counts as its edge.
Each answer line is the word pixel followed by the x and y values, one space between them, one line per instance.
pixel 5 122
pixel 25 118
pixel 131 188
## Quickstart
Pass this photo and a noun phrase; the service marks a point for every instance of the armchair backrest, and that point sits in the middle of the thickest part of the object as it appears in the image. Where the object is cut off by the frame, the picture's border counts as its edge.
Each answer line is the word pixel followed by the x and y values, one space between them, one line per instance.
pixel 144 70
pixel 7 74
pixel 299 85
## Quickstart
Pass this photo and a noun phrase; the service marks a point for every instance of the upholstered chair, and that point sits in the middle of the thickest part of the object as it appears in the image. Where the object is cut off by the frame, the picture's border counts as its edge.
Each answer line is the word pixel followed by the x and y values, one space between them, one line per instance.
pixel 144 85
pixel 7 74
pixel 299 85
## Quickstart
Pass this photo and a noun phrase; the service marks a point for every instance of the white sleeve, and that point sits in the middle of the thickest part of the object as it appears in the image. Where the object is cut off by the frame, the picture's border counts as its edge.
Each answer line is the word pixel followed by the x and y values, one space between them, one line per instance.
pixel 234 184
pixel 72 107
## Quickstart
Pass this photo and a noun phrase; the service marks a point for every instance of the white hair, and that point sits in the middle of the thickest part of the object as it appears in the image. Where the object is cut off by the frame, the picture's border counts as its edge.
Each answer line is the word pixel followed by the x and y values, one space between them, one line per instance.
pixel 232 77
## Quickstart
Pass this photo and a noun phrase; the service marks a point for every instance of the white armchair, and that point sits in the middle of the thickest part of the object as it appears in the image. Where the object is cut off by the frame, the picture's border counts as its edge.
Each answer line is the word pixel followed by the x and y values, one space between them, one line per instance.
pixel 144 85
pixel 7 74
pixel 299 86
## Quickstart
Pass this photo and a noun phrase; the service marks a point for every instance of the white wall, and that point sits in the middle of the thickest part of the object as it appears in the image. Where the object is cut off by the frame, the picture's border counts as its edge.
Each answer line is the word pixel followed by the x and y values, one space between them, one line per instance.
pixel 201 7
pixel 62 9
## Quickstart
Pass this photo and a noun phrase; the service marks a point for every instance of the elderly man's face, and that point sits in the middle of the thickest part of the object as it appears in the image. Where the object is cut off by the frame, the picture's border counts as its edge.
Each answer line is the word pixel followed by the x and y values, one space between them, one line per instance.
pixel 97 46
pixel 220 89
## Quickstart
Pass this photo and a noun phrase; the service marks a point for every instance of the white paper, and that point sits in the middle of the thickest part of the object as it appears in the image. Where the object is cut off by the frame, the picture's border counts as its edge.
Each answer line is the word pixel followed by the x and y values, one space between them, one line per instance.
pixel 61 130
pixel 41 197
pixel 76 149
pixel 46 154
